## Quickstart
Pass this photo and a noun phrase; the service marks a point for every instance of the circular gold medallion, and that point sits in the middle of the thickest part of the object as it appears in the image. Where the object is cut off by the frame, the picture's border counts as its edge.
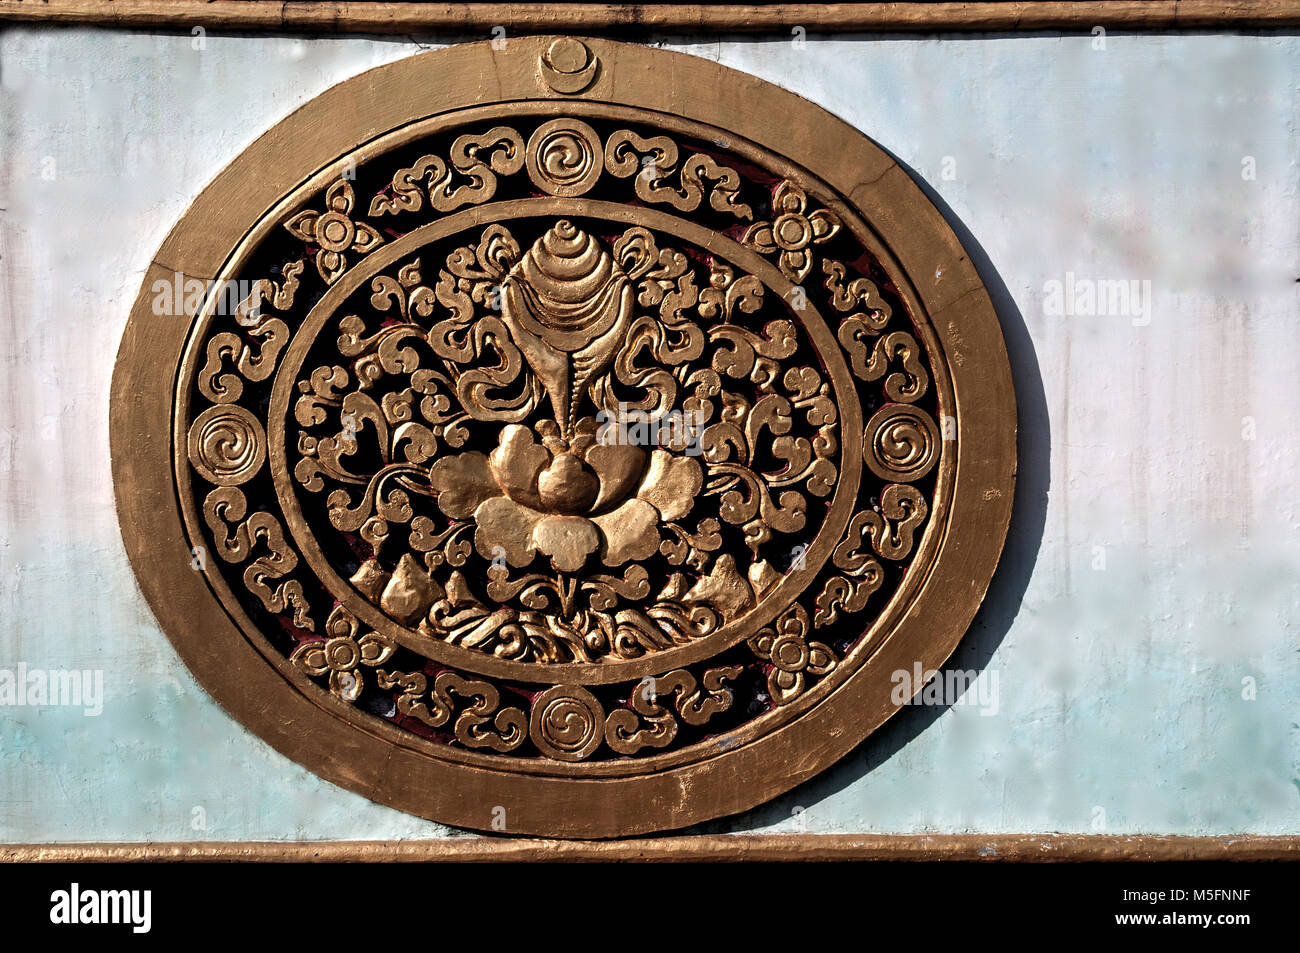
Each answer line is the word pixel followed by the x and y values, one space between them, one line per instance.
pixel 566 440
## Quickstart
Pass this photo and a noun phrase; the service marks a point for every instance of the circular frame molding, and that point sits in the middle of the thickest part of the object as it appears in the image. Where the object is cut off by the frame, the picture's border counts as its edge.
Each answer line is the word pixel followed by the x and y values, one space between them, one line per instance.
pixel 383 763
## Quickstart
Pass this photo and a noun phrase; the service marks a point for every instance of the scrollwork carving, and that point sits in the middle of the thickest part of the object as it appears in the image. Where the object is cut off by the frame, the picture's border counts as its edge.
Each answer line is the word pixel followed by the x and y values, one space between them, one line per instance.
pixel 653 161
pixel 225 508
pixel 478 157
pixel 889 531
pixel 482 724
pixel 272 334
pixel 650 724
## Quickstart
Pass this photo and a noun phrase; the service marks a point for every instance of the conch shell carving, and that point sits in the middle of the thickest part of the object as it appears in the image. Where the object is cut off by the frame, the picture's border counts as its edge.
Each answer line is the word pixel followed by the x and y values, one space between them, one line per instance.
pixel 568 305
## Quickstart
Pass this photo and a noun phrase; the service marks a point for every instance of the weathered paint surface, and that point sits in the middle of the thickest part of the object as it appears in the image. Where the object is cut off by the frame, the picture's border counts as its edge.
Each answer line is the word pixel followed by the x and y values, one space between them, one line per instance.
pixel 1152 568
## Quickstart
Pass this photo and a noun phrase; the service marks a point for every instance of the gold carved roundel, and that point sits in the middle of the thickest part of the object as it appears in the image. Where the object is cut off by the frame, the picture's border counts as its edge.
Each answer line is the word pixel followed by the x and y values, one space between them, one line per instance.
pixel 570 439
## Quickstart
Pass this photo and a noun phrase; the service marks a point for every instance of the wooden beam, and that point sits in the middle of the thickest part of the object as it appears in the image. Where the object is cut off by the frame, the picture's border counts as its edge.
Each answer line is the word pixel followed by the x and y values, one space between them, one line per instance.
pixel 781 18
pixel 734 847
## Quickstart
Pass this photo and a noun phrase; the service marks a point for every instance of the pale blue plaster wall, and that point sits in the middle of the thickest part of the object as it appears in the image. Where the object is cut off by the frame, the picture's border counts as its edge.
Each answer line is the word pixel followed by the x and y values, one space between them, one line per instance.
pixel 1119 689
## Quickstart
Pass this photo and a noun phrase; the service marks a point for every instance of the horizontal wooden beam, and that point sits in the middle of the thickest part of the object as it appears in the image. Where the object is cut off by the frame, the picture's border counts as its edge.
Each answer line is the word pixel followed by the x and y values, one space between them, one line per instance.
pixel 471 18
pixel 734 847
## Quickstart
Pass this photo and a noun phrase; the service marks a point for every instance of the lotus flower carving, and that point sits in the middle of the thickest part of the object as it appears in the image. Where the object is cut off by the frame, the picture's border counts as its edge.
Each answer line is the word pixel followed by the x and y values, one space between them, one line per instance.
pixel 564 498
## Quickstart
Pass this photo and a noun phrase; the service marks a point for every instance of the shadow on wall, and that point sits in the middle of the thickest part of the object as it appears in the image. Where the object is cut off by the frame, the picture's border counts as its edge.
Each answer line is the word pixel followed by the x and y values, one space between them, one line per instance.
pixel 1001 604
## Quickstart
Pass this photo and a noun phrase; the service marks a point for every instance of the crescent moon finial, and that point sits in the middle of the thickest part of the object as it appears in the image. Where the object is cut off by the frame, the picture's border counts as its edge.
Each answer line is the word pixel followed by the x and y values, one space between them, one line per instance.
pixel 568 66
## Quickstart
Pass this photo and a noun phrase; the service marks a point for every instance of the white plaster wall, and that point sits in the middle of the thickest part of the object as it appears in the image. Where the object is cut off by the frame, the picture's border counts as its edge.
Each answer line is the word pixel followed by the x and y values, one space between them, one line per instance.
pixel 1170 444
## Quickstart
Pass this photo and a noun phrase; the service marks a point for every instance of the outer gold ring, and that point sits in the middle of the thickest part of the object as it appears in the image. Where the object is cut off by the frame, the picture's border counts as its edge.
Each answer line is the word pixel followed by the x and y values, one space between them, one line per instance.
pixel 378 763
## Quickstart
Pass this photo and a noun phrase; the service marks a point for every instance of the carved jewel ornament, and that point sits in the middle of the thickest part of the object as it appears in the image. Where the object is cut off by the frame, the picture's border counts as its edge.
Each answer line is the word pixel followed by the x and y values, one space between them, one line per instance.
pixel 553 452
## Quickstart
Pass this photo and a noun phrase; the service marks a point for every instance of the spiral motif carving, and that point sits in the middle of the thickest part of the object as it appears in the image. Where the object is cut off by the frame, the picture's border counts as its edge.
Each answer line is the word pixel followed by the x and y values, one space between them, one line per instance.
pixel 901 443
pixel 567 723
pixel 227 445
pixel 565 157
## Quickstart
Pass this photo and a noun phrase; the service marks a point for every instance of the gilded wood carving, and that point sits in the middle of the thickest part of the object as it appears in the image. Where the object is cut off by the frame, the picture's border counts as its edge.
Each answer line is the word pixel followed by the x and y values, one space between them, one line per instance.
pixel 549 461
